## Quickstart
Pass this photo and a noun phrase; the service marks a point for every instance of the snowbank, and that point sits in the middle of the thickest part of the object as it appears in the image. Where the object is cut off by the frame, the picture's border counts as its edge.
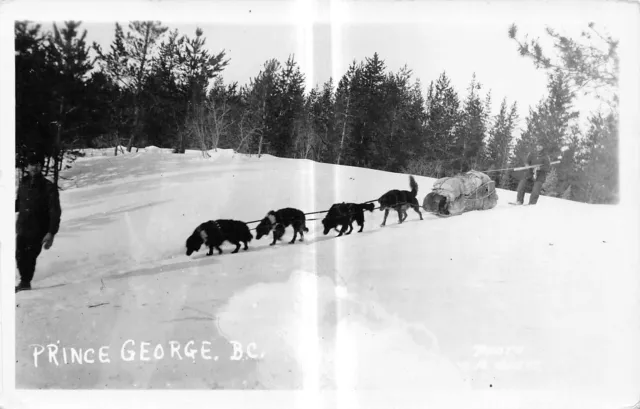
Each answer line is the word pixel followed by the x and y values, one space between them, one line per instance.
pixel 513 298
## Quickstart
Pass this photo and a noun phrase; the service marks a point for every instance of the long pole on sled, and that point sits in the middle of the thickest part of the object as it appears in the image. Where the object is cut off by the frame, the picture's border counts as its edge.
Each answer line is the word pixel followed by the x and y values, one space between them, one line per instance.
pixel 520 168
pixel 535 166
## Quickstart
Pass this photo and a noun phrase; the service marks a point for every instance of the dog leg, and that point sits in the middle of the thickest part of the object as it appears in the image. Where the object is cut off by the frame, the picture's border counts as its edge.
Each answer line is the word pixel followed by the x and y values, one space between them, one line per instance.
pixel 274 239
pixel 278 232
pixel 360 220
pixel 210 253
pixel 246 246
pixel 297 229
pixel 219 249
pixel 417 209
pixel 342 230
pixel 384 221
pixel 237 247
pixel 400 220
pixel 350 228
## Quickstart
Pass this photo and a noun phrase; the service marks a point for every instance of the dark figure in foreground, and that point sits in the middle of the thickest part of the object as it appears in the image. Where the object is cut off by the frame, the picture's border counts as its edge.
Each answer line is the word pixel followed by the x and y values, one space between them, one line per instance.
pixel 536 175
pixel 400 201
pixel 39 212
pixel 279 220
pixel 344 214
pixel 215 232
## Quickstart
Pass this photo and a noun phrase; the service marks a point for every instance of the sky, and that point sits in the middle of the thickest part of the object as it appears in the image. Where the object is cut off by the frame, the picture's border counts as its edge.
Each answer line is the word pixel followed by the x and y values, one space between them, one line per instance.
pixel 459 38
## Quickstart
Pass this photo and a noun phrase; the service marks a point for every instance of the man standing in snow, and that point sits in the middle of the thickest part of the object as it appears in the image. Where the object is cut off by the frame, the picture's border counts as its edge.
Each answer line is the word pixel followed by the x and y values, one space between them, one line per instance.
pixel 538 174
pixel 38 207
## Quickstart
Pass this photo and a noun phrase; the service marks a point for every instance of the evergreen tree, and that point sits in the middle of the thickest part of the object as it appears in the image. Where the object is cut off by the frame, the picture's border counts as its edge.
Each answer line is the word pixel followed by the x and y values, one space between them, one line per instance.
pixel 390 144
pixel 399 122
pixel 71 100
pixel 34 82
pixel 107 117
pixel 572 160
pixel 470 135
pixel 550 186
pixel 306 142
pixel 600 168
pixel 113 66
pixel 53 100
pixel 499 144
pixel 368 89
pixel 524 145
pixel 197 68
pixel 260 116
pixel 443 120
pixel 130 63
pixel 346 112
pixel 166 100
pixel 550 125
pixel 325 125
pixel 223 107
pixel 415 122
pixel 289 105
pixel 556 114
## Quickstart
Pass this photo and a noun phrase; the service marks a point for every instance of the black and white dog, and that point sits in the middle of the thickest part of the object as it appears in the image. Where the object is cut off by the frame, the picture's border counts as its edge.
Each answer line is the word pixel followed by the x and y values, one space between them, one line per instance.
pixel 215 232
pixel 344 214
pixel 279 220
pixel 400 201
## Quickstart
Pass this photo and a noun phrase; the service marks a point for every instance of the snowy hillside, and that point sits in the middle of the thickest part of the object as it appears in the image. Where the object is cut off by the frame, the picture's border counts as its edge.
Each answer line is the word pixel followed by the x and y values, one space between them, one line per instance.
pixel 539 298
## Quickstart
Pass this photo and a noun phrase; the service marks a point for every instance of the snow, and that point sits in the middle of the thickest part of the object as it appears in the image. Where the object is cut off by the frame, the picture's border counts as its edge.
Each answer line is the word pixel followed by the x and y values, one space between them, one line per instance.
pixel 537 298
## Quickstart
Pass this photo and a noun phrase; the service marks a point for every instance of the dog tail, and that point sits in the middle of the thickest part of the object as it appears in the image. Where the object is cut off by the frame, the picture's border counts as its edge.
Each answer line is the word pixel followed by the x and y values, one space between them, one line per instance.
pixel 414 186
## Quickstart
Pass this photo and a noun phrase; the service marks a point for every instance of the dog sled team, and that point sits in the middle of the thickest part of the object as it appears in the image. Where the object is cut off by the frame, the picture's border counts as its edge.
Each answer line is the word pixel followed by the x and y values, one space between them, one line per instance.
pixel 341 215
pixel 215 232
pixel 450 196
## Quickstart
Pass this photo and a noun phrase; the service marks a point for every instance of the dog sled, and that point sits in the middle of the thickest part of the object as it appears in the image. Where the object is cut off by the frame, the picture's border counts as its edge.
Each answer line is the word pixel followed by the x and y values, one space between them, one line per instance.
pixel 462 193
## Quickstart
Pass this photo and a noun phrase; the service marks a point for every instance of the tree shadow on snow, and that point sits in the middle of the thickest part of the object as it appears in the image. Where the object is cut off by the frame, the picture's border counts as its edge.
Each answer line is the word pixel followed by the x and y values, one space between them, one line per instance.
pixel 202 260
pixel 168 268
pixel 320 239
pixel 96 220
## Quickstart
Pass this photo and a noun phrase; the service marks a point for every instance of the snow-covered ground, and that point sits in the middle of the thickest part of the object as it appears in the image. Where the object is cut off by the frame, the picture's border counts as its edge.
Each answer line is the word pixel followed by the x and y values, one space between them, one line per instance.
pixel 539 298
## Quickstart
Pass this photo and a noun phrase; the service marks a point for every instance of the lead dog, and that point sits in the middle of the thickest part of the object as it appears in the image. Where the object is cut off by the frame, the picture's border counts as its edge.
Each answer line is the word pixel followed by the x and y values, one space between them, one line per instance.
pixel 215 232
pixel 400 201
pixel 344 214
pixel 279 220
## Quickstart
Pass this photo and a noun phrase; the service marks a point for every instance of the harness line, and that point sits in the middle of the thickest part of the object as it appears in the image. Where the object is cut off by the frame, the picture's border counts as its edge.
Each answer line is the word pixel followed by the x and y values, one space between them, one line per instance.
pixel 465 198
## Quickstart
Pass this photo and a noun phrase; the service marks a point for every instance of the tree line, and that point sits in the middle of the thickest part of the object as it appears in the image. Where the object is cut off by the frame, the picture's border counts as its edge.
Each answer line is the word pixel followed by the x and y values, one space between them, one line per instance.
pixel 153 86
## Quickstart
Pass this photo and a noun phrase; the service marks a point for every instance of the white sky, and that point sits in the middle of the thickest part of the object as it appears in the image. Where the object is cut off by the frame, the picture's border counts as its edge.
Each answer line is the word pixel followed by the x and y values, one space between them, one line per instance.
pixel 429 36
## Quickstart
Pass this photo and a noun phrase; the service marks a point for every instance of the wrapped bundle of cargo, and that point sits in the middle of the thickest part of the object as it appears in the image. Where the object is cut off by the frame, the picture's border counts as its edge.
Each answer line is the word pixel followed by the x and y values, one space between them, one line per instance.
pixel 455 195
